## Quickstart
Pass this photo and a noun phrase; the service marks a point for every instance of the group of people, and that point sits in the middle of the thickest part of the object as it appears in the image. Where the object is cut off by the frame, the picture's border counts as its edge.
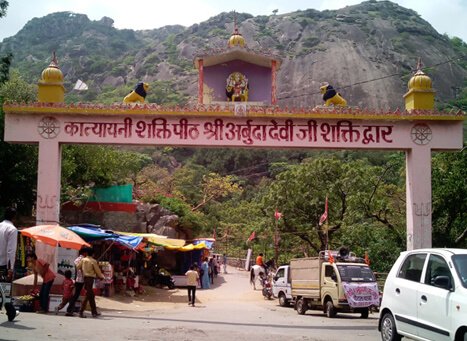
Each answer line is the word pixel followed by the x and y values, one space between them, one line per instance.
pixel 87 270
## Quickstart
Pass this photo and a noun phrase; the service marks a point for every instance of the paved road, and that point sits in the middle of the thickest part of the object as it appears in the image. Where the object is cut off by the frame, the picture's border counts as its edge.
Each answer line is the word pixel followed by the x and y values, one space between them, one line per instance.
pixel 231 310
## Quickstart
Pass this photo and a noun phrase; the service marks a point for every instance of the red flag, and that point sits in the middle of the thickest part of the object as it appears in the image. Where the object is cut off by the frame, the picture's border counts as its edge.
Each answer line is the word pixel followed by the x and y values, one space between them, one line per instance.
pixel 277 215
pixel 331 257
pixel 252 236
pixel 324 216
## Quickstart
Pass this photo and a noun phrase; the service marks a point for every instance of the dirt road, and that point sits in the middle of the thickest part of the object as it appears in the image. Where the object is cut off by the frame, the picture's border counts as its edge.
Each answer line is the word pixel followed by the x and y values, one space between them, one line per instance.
pixel 231 310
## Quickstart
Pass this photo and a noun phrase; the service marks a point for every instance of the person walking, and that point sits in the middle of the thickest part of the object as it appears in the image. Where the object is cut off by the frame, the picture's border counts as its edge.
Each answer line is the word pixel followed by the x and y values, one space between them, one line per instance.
pixel 8 243
pixel 90 270
pixel 41 267
pixel 79 283
pixel 205 276
pixel 192 278
pixel 67 291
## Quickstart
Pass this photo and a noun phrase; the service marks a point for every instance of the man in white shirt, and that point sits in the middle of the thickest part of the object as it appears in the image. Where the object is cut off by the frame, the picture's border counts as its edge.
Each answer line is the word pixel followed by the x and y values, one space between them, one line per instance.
pixel 8 242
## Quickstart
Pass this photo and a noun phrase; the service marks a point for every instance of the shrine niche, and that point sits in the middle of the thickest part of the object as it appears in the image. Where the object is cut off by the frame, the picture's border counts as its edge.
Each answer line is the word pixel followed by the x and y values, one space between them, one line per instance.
pixel 236 88
pixel 223 74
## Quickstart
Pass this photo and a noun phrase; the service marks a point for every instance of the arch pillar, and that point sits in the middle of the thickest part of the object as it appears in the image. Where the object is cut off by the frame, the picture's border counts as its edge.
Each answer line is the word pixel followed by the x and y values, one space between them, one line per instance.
pixel 48 182
pixel 418 197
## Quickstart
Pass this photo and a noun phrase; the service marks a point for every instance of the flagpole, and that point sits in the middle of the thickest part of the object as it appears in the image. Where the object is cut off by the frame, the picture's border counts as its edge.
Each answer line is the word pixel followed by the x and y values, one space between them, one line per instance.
pixel 276 243
pixel 323 221
pixel 326 226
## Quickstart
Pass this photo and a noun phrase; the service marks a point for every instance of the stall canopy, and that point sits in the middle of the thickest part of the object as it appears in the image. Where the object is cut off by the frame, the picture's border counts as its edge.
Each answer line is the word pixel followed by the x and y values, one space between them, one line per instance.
pixel 94 232
pixel 55 235
pixel 189 247
pixel 208 242
pixel 152 238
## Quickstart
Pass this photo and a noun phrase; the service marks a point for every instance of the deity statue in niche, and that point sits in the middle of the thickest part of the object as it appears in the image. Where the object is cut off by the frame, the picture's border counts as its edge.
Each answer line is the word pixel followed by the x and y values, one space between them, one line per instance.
pixel 237 87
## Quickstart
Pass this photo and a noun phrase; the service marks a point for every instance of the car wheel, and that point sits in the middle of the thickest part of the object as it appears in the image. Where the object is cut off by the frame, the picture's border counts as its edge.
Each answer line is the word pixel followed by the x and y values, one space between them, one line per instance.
pixel 388 328
pixel 283 301
pixel 364 313
pixel 330 310
pixel 301 306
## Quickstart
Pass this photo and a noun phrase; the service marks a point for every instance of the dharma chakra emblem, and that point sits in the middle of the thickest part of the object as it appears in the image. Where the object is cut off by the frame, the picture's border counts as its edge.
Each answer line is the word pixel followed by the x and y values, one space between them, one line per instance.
pixel 48 127
pixel 421 134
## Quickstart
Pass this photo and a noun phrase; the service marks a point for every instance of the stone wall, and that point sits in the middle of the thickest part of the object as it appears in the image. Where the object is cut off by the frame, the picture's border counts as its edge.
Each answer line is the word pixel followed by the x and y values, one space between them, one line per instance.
pixel 148 218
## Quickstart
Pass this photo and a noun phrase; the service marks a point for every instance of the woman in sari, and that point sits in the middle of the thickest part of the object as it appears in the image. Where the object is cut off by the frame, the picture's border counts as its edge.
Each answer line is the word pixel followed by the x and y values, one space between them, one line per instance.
pixel 205 277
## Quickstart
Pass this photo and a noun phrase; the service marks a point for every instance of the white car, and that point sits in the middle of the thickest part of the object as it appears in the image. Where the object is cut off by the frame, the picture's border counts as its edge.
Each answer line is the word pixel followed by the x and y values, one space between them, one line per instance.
pixel 425 296
pixel 281 287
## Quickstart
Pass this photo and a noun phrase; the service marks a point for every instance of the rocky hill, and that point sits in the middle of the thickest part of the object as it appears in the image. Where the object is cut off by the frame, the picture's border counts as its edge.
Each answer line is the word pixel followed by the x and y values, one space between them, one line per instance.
pixel 368 51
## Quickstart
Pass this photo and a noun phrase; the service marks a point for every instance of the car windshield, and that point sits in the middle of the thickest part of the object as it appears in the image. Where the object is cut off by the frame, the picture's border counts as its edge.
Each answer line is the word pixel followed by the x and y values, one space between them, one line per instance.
pixel 460 263
pixel 356 273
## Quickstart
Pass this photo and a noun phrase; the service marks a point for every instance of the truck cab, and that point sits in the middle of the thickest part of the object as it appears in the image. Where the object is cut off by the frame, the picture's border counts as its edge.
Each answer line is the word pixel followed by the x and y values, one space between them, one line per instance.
pixel 281 286
pixel 333 282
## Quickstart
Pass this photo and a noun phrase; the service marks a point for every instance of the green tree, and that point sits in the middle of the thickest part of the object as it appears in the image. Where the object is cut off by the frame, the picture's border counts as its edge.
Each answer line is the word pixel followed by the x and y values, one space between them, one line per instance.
pixel 153 181
pixel 18 173
pixel 449 219
pixel 186 181
pixel 3 7
pixel 84 167
pixel 215 187
pixel 359 194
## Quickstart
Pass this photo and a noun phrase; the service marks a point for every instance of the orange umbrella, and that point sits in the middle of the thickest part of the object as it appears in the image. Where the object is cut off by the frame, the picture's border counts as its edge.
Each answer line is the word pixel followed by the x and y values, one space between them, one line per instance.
pixel 55 235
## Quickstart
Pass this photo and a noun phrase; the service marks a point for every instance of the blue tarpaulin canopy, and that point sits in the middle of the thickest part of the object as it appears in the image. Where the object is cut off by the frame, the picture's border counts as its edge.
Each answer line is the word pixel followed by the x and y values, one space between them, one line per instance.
pixel 91 232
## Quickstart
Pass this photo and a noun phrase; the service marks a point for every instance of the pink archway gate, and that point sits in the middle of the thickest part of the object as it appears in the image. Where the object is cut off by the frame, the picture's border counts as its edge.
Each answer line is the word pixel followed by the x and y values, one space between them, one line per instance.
pixel 417 133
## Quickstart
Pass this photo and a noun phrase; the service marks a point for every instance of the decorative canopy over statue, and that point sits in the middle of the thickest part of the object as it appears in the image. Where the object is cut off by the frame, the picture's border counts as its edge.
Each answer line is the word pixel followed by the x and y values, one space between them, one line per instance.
pixel 237 87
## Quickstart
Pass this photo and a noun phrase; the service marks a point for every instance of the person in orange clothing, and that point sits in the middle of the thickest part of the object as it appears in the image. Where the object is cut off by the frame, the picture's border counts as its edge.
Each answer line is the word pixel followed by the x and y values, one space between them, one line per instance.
pixel 41 267
pixel 259 260
pixel 90 270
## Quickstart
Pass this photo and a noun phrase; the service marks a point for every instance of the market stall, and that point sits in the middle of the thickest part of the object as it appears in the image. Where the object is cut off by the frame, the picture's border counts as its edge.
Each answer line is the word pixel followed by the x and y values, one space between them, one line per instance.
pixel 115 254
pixel 47 240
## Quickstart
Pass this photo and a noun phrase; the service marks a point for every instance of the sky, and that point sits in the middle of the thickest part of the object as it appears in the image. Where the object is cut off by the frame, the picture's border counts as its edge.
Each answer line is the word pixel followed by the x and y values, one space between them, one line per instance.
pixel 446 16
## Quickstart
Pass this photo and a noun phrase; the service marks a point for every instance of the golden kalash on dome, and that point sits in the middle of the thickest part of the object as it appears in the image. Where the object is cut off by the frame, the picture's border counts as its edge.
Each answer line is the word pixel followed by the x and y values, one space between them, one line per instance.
pixel 51 89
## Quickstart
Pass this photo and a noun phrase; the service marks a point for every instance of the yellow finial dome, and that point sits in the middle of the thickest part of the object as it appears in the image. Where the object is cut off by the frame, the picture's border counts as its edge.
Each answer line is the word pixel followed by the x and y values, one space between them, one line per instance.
pixel 50 87
pixel 52 74
pixel 420 81
pixel 236 39
pixel 421 95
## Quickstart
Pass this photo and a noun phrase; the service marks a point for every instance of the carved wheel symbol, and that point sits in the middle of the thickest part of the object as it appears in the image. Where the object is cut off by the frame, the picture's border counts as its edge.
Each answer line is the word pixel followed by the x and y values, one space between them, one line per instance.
pixel 48 127
pixel 421 134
